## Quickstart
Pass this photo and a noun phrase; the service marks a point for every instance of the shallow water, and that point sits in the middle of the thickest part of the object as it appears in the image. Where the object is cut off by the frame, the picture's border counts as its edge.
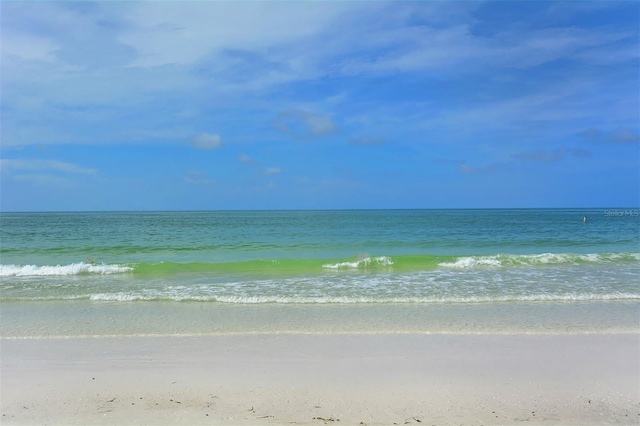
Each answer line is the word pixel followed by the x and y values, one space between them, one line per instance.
pixel 427 271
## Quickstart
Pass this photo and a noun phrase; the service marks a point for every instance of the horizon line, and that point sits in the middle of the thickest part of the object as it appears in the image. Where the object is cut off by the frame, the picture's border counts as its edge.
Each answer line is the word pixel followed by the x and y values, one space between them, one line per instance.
pixel 320 209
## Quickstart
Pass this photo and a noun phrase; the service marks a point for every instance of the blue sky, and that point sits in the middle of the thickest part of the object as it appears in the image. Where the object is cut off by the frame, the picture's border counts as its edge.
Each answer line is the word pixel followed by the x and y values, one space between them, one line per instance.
pixel 304 105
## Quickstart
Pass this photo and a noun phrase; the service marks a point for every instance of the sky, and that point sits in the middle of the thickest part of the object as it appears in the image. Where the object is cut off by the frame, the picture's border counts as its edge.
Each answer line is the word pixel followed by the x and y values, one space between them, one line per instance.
pixel 211 105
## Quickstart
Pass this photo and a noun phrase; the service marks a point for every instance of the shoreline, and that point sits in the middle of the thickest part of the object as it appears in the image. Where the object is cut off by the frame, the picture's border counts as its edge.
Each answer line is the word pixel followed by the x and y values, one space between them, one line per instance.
pixel 298 378
pixel 235 334
pixel 82 318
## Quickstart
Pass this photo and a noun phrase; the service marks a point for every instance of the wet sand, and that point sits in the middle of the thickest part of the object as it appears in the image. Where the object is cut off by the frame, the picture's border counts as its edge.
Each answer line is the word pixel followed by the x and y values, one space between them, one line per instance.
pixel 312 379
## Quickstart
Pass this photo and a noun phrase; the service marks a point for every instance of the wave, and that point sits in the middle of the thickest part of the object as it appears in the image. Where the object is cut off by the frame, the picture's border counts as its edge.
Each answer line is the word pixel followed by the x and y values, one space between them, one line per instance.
pixel 61 270
pixel 292 266
pixel 326 300
pixel 362 262
pixel 540 259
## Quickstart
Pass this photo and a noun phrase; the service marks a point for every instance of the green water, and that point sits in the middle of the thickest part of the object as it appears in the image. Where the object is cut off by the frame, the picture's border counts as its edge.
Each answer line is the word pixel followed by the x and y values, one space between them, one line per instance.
pixel 272 271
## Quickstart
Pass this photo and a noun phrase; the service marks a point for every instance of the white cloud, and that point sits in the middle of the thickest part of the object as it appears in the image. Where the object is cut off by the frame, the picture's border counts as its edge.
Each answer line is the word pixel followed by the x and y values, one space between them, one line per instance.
pixel 549 156
pixel 302 124
pixel 537 156
pixel 557 103
pixel 206 49
pixel 354 39
pixel 28 47
pixel 533 48
pixel 185 33
pixel 207 141
pixel 43 179
pixel 490 168
pixel 410 48
pixel 47 173
pixel 197 177
pixel 244 158
pixel 273 171
pixel 40 165
pixel 618 136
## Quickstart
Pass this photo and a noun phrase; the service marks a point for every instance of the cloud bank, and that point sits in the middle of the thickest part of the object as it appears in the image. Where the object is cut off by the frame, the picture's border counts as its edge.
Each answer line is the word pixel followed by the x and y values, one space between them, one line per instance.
pixel 207 141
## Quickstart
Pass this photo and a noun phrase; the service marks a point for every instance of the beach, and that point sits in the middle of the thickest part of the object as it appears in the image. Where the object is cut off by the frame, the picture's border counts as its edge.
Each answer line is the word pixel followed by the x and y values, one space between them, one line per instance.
pixel 319 213
pixel 439 317
pixel 323 379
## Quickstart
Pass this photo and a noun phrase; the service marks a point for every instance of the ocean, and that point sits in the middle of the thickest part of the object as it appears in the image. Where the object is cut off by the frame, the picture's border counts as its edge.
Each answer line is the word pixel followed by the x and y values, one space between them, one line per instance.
pixel 502 271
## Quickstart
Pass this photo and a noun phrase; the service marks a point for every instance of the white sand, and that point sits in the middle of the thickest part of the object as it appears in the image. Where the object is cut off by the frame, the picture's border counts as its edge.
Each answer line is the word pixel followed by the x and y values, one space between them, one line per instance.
pixel 318 379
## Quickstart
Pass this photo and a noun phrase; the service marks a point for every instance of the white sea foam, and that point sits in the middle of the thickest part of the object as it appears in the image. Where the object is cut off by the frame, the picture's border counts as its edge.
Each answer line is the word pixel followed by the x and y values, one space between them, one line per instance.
pixel 119 297
pixel 538 259
pixel 61 270
pixel 468 262
pixel 361 263
pixel 304 300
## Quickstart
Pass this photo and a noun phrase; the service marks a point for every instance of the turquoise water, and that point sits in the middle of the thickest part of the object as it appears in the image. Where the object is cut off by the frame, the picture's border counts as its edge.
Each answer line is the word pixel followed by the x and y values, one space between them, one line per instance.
pixel 432 271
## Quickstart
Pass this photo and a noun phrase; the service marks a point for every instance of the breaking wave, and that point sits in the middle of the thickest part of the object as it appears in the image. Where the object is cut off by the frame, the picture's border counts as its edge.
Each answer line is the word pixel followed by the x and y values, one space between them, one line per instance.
pixel 61 270
pixel 292 266
pixel 256 300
